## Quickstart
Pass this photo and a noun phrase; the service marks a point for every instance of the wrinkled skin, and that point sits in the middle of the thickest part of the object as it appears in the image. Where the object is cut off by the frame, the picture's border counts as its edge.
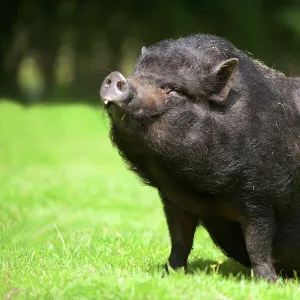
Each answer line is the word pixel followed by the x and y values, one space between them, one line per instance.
pixel 217 133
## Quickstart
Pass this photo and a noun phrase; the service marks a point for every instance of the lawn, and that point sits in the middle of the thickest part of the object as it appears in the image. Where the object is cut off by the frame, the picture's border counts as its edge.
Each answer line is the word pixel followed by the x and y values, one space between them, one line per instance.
pixel 75 224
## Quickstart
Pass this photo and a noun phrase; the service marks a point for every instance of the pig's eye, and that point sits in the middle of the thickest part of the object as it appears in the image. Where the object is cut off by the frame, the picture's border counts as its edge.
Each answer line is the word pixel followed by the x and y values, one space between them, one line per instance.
pixel 172 91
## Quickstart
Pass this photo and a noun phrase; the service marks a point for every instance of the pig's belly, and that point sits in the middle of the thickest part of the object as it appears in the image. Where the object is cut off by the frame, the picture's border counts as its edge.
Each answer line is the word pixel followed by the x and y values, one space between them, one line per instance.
pixel 286 248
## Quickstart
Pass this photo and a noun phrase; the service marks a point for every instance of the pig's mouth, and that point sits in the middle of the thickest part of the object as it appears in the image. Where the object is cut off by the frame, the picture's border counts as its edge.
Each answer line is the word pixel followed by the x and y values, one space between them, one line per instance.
pixel 115 109
pixel 107 103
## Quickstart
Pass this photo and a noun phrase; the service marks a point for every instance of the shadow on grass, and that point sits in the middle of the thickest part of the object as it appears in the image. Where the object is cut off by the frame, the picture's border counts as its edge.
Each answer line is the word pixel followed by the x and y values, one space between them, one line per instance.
pixel 225 269
pixel 228 268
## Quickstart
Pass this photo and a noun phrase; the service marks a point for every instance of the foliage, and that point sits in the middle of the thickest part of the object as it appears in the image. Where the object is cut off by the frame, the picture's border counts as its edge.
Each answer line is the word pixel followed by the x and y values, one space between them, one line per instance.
pixel 92 37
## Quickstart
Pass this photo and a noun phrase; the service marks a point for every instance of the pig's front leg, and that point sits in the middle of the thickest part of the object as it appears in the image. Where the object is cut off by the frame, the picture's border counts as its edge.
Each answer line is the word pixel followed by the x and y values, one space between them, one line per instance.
pixel 182 226
pixel 259 229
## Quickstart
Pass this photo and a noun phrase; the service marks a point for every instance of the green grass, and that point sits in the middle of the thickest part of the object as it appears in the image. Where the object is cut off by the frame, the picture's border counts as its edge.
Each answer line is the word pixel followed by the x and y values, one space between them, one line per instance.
pixel 75 224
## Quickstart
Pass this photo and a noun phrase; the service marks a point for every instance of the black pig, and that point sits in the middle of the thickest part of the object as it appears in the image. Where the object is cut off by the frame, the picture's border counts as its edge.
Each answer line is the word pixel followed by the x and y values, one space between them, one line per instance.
pixel 217 133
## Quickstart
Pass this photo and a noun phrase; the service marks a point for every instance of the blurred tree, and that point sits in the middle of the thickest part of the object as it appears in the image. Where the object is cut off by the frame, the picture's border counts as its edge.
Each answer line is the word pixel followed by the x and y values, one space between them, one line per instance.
pixel 10 52
pixel 101 36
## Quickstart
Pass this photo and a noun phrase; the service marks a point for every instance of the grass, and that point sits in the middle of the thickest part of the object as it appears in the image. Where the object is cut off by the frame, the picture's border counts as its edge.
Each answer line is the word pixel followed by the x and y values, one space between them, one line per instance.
pixel 75 224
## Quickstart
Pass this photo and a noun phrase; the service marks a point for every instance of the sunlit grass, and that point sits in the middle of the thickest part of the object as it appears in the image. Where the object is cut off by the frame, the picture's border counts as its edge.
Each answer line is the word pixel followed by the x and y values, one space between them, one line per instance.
pixel 75 224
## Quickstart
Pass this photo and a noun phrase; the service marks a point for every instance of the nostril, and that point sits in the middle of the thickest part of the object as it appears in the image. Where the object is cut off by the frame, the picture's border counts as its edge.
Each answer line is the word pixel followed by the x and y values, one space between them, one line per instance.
pixel 120 85
pixel 108 82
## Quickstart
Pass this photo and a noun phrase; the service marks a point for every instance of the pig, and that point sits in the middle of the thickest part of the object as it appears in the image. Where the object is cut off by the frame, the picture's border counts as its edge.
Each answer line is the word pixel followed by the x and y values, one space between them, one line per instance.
pixel 217 133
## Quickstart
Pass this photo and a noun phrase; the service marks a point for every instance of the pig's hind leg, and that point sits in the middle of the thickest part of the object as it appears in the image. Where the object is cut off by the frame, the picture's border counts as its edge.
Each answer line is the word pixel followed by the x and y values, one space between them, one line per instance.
pixel 228 236
pixel 259 228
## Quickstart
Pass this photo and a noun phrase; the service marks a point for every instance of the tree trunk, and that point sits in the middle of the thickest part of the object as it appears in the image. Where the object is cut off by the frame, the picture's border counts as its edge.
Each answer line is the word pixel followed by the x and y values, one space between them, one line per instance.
pixel 9 87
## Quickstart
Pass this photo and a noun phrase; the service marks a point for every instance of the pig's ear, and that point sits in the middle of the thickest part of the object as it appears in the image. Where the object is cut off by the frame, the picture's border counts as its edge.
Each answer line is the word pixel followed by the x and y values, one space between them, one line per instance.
pixel 223 75
pixel 144 50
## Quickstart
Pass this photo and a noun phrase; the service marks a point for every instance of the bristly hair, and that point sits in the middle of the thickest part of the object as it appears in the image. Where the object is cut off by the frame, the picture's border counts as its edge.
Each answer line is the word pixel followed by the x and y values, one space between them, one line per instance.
pixel 212 146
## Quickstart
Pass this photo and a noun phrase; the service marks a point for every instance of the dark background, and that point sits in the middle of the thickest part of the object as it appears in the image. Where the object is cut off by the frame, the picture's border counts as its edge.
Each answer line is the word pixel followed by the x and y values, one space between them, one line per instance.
pixel 60 50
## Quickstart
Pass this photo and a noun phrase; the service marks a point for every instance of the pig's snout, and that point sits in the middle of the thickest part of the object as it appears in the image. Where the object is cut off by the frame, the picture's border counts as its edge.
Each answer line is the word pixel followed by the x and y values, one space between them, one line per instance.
pixel 115 88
